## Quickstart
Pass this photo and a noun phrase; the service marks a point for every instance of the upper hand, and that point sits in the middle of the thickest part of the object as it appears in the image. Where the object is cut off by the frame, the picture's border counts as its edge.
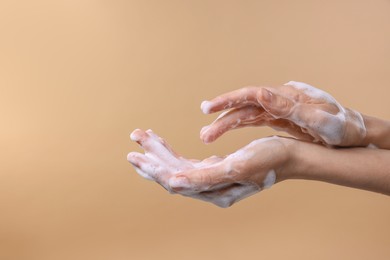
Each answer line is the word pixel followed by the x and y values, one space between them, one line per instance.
pixel 296 108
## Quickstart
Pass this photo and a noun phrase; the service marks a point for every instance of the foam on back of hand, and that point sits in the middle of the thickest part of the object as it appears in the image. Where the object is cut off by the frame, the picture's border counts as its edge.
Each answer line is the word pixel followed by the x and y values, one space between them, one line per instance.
pixel 342 128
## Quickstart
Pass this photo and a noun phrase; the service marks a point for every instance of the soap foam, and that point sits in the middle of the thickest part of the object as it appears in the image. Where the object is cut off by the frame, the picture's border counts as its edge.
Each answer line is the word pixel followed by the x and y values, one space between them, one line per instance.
pixel 205 106
pixel 162 166
pixel 269 179
pixel 330 127
pixel 312 91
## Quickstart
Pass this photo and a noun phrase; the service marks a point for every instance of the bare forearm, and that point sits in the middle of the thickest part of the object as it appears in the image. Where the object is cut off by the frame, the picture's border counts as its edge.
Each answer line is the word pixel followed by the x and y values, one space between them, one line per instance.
pixel 378 132
pixel 361 168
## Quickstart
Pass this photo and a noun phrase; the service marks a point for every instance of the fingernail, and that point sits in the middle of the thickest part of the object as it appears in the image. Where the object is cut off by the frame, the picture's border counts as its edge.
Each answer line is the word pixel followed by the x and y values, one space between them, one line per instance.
pixel 205 107
pixel 179 183
pixel 266 95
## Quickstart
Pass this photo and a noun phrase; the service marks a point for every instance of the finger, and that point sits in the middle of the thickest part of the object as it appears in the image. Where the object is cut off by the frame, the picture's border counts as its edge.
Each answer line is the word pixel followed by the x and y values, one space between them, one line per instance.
pixel 151 143
pixel 163 142
pixel 233 119
pixel 143 165
pixel 236 98
pixel 143 174
pixel 148 140
pixel 196 180
pixel 140 163
pixel 277 105
pixel 140 136
pixel 137 159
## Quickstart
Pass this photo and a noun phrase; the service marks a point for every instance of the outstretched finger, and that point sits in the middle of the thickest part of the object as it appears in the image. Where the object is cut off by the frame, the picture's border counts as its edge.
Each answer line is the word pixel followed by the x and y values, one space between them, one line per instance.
pixel 203 179
pixel 163 142
pixel 152 143
pixel 233 119
pixel 237 98
pixel 137 159
pixel 141 165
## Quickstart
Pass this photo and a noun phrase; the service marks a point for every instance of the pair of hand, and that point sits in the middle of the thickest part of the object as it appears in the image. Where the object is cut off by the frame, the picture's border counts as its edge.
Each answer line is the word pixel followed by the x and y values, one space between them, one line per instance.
pixel 299 109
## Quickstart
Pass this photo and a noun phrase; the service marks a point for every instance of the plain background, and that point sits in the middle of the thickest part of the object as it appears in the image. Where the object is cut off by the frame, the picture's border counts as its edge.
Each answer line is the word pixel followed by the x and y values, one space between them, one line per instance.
pixel 77 76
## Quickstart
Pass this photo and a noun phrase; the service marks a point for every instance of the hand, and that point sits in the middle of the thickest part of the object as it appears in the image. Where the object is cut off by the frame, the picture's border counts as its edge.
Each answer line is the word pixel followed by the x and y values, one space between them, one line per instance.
pixel 219 180
pixel 296 108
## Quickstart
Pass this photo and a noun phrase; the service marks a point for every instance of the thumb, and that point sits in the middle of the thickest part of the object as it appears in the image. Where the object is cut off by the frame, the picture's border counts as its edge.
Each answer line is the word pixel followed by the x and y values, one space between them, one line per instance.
pixel 275 104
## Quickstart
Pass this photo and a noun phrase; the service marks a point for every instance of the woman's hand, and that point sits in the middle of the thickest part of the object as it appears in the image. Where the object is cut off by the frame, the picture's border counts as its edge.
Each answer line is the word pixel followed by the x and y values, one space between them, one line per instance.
pixel 296 108
pixel 219 180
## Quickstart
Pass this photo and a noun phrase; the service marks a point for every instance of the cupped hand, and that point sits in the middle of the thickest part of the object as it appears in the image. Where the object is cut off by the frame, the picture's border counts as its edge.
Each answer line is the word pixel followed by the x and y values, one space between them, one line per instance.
pixel 297 108
pixel 219 180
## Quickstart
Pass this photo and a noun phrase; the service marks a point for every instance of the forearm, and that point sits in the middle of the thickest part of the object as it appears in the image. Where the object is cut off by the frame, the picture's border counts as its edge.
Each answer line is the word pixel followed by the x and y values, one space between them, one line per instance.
pixel 361 168
pixel 378 132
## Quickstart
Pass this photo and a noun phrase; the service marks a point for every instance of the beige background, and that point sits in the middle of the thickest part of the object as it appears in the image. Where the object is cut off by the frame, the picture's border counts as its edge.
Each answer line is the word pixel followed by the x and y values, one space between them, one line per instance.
pixel 77 76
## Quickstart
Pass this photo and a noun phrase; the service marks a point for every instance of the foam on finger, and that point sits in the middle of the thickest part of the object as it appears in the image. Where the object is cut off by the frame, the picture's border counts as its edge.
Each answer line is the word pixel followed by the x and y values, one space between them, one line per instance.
pixel 205 106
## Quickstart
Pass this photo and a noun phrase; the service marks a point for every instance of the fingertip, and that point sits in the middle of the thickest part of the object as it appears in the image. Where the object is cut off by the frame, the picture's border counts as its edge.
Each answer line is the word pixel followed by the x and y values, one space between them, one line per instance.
pixel 203 131
pixel 207 139
pixel 206 107
pixel 132 158
pixel 129 156
pixel 205 135
pixel 135 135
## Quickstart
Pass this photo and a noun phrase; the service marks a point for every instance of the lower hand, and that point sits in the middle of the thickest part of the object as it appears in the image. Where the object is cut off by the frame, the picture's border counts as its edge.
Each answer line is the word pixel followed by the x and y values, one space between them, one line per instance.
pixel 219 180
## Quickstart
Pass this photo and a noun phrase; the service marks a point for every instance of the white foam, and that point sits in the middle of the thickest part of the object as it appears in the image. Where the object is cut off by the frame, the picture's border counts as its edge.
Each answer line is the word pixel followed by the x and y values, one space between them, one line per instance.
pixel 241 154
pixel 233 195
pixel 205 106
pixel 162 166
pixel 143 174
pixel 261 140
pixel 329 127
pixel 269 179
pixel 311 91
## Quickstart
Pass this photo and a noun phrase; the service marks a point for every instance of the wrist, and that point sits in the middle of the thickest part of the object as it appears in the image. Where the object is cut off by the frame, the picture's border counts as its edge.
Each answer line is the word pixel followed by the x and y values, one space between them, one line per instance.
pixel 378 132
pixel 302 159
pixel 288 169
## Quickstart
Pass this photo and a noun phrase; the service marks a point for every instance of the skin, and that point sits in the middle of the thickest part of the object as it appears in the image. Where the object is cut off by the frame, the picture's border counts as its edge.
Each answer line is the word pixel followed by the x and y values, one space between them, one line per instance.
pixel 361 168
pixel 306 113
pixel 219 180
pixel 297 111
pixel 224 181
